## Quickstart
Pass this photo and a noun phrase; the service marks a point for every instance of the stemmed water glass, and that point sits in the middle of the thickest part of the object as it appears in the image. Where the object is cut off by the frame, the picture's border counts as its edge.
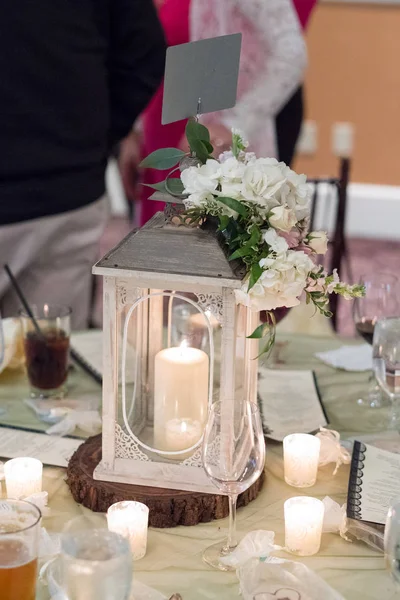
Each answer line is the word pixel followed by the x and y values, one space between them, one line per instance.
pixel 380 300
pixel 233 459
pixel 386 361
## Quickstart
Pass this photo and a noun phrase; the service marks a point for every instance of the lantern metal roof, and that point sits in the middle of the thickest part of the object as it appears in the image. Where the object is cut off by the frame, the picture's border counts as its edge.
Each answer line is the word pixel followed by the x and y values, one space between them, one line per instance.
pixel 194 254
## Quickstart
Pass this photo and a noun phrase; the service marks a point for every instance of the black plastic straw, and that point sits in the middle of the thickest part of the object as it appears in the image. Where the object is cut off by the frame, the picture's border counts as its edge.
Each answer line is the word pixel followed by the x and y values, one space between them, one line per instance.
pixel 23 300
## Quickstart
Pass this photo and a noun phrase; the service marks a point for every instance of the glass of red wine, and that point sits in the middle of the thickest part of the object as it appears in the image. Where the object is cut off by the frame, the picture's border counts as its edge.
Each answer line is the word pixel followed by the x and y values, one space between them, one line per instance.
pixel 380 300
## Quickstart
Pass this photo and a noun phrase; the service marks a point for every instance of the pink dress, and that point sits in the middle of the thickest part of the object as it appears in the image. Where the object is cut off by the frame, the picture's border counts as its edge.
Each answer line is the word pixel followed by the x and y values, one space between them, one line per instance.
pixel 304 9
pixel 174 16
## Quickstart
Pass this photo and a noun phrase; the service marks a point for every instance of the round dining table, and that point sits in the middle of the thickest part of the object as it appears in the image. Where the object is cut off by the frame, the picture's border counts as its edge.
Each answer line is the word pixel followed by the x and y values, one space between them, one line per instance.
pixel 173 562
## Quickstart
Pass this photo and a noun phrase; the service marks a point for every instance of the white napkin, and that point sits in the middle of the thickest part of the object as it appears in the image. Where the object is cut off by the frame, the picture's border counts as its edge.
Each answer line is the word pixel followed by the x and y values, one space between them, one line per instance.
pixel 65 417
pixel 263 577
pixel 331 451
pixel 349 358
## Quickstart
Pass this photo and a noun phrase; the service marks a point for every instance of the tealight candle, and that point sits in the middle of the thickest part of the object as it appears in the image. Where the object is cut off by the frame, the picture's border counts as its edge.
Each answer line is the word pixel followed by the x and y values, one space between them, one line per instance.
pixel 301 457
pixel 182 433
pixel 130 519
pixel 23 477
pixel 303 525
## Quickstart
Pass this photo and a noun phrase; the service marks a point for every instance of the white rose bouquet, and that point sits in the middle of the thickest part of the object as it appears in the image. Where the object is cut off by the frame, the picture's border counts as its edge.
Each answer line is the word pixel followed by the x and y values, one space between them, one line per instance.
pixel 263 210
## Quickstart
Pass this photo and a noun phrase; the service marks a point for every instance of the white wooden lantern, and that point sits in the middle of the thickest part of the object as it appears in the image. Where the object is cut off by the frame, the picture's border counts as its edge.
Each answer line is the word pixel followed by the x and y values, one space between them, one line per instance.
pixel 174 341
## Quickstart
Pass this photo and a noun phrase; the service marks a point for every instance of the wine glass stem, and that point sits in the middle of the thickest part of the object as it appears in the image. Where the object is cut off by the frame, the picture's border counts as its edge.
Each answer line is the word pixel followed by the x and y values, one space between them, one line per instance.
pixel 232 541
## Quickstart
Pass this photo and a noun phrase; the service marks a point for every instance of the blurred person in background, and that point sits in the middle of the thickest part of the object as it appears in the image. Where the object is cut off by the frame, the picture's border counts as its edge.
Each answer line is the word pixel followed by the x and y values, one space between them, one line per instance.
pixel 288 121
pixel 272 64
pixel 74 77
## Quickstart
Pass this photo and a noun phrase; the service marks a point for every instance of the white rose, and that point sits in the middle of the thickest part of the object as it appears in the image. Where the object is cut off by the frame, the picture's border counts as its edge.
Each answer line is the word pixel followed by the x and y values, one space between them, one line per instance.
pixel 202 178
pixel 318 241
pixel 282 218
pixel 277 243
pixel 262 181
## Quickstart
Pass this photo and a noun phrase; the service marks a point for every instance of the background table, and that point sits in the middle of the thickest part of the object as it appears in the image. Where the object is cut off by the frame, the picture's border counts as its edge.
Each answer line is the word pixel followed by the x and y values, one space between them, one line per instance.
pixel 173 562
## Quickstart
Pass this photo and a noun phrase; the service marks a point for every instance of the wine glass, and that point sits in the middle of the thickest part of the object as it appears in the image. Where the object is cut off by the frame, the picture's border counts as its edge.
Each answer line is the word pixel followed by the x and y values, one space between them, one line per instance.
pixel 380 300
pixel 233 459
pixel 386 362
pixel 392 541
pixel 96 564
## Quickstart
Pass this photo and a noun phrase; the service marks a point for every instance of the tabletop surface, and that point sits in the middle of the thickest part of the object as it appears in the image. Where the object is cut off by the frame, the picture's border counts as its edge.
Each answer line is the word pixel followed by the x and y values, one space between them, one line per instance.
pixel 173 561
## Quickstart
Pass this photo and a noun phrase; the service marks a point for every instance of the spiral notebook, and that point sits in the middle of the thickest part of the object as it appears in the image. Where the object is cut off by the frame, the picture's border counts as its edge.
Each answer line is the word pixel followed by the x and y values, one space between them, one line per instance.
pixel 374 483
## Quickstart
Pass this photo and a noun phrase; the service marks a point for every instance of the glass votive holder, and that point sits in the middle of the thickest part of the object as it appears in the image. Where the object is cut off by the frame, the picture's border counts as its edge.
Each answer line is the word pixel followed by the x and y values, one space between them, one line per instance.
pixel 130 519
pixel 303 525
pixel 300 459
pixel 23 477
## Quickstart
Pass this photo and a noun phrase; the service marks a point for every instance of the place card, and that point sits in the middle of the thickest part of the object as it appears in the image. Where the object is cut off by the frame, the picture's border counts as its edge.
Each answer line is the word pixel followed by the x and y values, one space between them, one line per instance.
pixel 50 450
pixel 289 402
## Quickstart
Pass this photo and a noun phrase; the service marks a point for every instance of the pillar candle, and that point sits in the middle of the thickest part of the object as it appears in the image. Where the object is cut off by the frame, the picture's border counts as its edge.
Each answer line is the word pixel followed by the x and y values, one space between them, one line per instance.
pixel 303 525
pixel 23 477
pixel 301 457
pixel 130 519
pixel 181 381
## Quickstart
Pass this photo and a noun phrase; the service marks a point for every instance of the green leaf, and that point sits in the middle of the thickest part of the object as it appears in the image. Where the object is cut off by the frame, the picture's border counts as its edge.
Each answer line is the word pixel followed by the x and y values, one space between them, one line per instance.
pixel 160 187
pixel 243 251
pixel 175 186
pixel 234 205
pixel 259 332
pixel 196 131
pixel 223 222
pixel 255 273
pixel 165 158
pixel 200 149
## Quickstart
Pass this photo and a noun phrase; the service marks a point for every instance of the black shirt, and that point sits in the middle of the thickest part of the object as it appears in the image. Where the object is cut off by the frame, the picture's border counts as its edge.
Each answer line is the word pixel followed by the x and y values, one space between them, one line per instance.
pixel 74 75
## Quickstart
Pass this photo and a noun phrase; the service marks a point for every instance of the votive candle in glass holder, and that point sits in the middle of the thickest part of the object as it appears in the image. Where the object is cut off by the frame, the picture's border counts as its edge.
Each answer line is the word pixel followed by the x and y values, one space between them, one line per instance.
pixel 301 458
pixel 23 477
pixel 130 519
pixel 303 525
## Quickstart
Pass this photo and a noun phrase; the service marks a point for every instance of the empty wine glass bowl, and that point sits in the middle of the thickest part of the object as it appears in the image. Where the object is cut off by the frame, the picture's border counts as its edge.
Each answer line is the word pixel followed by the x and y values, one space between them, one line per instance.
pixel 233 459
pixel 386 363
pixel 380 301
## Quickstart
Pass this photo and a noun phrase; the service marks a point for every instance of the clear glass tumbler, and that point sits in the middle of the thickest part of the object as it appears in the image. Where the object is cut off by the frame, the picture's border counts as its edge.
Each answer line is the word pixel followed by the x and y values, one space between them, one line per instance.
pixel 96 564
pixel 47 351
pixel 19 546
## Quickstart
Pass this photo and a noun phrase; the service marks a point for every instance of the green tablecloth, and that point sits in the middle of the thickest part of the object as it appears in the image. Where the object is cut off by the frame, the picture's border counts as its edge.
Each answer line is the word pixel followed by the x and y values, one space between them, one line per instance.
pixel 173 561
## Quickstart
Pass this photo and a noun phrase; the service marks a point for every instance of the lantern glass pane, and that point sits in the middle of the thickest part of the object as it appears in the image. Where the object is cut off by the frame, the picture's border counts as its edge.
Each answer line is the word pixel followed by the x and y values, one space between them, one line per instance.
pixel 168 365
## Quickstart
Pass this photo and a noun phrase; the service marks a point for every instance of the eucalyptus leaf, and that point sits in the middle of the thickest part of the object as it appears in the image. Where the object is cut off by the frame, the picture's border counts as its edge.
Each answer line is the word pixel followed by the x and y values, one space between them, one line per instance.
pixel 259 332
pixel 175 186
pixel 160 187
pixel 162 159
pixel 234 205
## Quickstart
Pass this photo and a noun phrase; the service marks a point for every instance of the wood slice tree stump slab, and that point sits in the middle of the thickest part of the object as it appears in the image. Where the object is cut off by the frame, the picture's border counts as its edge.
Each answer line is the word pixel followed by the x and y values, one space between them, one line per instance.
pixel 168 508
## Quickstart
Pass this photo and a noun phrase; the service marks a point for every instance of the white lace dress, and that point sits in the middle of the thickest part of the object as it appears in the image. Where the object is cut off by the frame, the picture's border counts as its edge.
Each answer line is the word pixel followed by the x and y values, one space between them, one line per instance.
pixel 272 62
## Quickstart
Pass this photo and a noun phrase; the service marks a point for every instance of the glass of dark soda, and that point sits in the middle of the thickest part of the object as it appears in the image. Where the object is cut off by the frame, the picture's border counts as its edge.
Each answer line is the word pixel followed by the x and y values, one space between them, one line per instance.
pixel 47 351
